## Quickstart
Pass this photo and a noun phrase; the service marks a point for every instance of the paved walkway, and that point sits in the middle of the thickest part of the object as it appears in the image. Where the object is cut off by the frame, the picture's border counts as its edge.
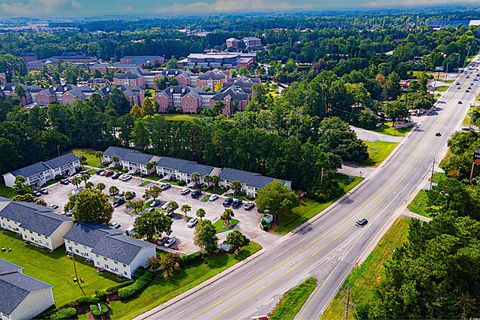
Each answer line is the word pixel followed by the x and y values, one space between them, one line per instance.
pixel 352 169
pixel 367 135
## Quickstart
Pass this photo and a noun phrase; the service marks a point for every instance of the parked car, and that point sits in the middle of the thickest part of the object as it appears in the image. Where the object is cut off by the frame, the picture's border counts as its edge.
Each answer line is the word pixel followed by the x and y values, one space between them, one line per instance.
pixel 126 178
pixel 116 175
pixel 213 197
pixel 108 173
pixel 69 213
pixel 154 203
pixel 196 194
pixel 44 191
pixel 53 206
pixel 64 182
pixel 161 241
pixel 170 242
pixel 438 134
pixel 165 206
pixel 459 102
pixel 185 191
pixel 36 193
pixel 77 191
pixel 237 204
pixel 249 205
pixel 165 186
pixel 227 202
pixel 100 171
pixel 361 222
pixel 103 173
pixel 130 231
pixel 192 222
pixel 118 202
pixel 116 225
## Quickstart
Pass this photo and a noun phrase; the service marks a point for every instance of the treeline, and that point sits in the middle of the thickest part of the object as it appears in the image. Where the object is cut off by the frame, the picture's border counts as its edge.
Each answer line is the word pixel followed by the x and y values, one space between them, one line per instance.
pixel 436 274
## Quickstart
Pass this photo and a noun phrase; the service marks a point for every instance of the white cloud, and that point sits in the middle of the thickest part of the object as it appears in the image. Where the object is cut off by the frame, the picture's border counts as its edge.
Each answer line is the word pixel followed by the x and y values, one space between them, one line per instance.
pixel 35 7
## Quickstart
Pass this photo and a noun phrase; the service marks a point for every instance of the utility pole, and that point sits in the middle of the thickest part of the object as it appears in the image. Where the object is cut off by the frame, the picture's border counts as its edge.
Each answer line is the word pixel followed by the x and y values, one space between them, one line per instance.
pixel 431 177
pixel 321 177
pixel 347 303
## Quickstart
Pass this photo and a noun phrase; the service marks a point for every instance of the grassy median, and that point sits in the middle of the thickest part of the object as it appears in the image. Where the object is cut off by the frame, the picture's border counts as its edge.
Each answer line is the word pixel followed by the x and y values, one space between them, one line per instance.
pixel 293 300
pixel 363 279
pixel 379 151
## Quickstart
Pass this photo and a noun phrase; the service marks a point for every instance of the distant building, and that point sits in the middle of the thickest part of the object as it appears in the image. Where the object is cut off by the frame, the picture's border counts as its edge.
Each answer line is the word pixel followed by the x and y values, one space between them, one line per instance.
pixel 219 59
pixel 232 43
pixel 143 61
pixel 211 78
pixel 129 79
pixel 252 42
pixel 180 169
pixel 132 160
pixel 22 297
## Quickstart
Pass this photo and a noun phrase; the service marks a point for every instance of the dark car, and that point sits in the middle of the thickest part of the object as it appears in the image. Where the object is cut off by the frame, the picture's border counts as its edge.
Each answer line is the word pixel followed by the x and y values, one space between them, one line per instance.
pixel 227 202
pixel 64 182
pixel 99 172
pixel 237 204
pixel 108 173
pixel 196 194
pixel 438 134
pixel 36 193
pixel 116 175
pixel 118 202
pixel 44 191
pixel 459 102
pixel 162 241
pixel 361 222
pixel 155 203
pixel 249 205
pixel 165 186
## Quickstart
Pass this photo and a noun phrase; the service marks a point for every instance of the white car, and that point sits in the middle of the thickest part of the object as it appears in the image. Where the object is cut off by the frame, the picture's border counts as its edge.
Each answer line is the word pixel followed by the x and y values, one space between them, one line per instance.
pixel 185 191
pixel 192 222
pixel 170 242
pixel 165 206
pixel 213 197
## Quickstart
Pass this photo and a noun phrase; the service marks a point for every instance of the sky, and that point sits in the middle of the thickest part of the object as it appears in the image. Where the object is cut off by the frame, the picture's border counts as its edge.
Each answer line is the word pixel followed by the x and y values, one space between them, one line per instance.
pixel 81 8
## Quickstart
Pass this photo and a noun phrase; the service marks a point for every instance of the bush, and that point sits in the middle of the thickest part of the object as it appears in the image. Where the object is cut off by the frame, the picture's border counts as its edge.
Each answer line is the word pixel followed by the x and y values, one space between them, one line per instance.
pixel 136 288
pixel 190 259
pixel 96 312
pixel 181 183
pixel 65 313
pixel 83 300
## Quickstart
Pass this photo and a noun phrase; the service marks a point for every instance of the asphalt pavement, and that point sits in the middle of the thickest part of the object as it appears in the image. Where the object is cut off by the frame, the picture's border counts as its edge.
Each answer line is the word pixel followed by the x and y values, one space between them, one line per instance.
pixel 328 246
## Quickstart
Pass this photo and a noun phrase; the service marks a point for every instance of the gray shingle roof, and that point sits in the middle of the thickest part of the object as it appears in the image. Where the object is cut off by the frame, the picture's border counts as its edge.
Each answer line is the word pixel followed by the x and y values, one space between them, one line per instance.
pixel 8 267
pixel 213 75
pixel 62 160
pixel 15 287
pixel 106 241
pixel 129 155
pixel 39 167
pixel 251 179
pixel 33 217
pixel 127 75
pixel 184 166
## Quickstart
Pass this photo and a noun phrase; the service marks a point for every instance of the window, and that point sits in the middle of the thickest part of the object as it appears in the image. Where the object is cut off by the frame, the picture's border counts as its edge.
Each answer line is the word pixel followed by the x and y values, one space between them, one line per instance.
pixel 124 265
pixel 115 262
pixel 125 272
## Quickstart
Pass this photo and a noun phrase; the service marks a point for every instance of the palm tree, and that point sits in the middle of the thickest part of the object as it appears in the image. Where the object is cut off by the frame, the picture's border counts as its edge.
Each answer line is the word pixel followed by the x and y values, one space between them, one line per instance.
pixel 196 177
pixel 115 159
pixel 169 264
pixel 215 181
pixel 227 216
pixel 236 186
pixel 186 209
pixel 89 184
pixel 201 213
pixel 154 263
pixel 76 181
pixel 85 178
pixel 113 190
pixel 207 179
pixel 150 165
pixel 101 186
pixel 172 205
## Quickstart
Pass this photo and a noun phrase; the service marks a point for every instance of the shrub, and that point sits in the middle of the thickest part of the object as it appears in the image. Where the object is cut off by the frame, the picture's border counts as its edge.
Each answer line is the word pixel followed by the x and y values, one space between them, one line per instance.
pixel 136 288
pixel 190 259
pixel 65 313
pixel 181 183
pixel 82 300
pixel 96 312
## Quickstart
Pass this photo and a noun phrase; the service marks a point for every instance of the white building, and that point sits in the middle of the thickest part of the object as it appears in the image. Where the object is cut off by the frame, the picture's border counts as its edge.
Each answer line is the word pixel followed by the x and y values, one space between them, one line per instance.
pixel 182 169
pixel 251 182
pixel 108 248
pixel 40 173
pixel 22 297
pixel 34 223
pixel 133 160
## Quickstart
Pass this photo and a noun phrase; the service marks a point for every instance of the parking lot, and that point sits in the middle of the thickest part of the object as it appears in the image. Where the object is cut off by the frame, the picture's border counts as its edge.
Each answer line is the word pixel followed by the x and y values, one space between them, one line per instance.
pixel 248 220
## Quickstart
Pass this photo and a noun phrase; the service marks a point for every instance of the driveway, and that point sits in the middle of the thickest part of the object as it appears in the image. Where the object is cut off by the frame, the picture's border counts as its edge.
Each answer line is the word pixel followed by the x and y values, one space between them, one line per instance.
pixel 367 135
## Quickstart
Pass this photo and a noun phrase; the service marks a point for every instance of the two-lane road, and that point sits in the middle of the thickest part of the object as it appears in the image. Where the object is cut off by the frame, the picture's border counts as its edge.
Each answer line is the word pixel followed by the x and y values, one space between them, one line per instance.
pixel 329 246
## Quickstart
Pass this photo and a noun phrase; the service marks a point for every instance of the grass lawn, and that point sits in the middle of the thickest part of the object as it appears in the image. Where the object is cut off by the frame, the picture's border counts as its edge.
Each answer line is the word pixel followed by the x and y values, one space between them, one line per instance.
pixel 362 279
pixel 388 129
pixel 441 88
pixel 379 151
pixel 162 289
pixel 449 81
pixel 6 192
pixel 56 269
pixel 221 227
pixel 144 183
pixel 205 198
pixel 180 117
pixel 311 208
pixel 92 159
pixel 419 203
pixel 478 97
pixel 292 301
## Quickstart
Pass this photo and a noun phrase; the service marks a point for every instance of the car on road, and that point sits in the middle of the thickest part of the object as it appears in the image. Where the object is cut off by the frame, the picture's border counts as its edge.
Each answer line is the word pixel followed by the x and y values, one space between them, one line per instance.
pixel 115 225
pixel 44 191
pixel 65 182
pixel 170 242
pixel 196 194
pixel 118 202
pixel 154 203
pixel 458 83
pixel 237 204
pixel 100 171
pixel 459 102
pixel 438 134
pixel 192 222
pixel 227 202
pixel 36 193
pixel 53 206
pixel 165 186
pixel 361 222
pixel 213 197
pixel 116 175
pixel 185 191
pixel 249 205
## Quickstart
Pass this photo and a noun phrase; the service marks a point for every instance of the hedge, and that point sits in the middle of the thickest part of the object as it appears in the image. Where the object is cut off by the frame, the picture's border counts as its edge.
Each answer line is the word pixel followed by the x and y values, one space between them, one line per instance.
pixel 65 313
pixel 136 288
pixel 190 259
pixel 95 312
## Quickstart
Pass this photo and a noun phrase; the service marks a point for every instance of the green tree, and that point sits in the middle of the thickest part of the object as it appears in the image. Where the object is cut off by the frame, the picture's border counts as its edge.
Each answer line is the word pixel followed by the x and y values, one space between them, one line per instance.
pixel 85 178
pixel 277 198
pixel 20 187
pixel 396 111
pixel 28 197
pixel 90 205
pixel 152 224
pixel 196 177
pixel 205 236
pixel 113 190
pixel 237 240
pixel 101 186
pixel 169 263
pixel 154 263
pixel 89 185
pixel 201 213
pixel 236 186
pixel 136 205
pixel 153 192
pixel 148 107
pixel 172 206
pixel 227 216
pixel 76 181
pixel 186 209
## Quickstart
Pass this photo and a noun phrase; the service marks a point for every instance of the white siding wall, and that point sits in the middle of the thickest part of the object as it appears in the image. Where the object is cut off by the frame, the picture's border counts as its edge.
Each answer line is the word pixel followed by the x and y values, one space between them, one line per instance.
pixel 34 304
pixel 57 236
pixel 9 179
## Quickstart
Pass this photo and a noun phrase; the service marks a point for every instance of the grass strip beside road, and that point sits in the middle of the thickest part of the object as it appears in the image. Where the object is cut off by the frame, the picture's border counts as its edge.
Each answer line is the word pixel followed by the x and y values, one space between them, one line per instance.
pixel 310 208
pixel 363 279
pixel 388 129
pixel 419 203
pixel 292 301
pixel 379 151
pixel 164 289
